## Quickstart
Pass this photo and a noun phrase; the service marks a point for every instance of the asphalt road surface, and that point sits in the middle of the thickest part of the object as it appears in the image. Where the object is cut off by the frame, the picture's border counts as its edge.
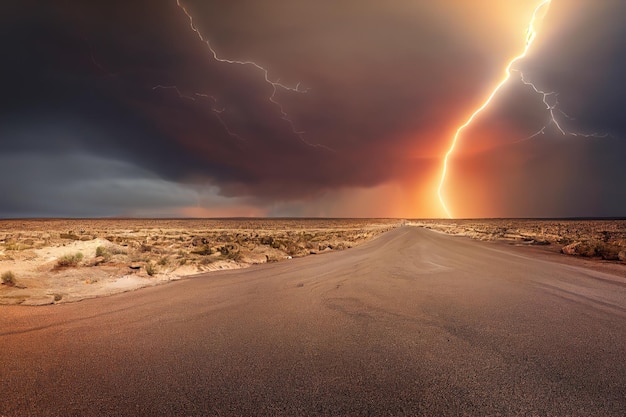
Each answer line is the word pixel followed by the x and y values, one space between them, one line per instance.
pixel 411 323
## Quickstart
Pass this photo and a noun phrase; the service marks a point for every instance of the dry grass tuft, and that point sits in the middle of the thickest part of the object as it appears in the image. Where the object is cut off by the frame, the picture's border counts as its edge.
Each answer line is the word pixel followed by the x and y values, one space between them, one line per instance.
pixel 70 260
pixel 8 278
pixel 151 268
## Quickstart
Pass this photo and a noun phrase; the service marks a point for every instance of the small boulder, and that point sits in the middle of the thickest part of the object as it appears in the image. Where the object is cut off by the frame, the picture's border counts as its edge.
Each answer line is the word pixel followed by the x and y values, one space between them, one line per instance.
pixel 571 249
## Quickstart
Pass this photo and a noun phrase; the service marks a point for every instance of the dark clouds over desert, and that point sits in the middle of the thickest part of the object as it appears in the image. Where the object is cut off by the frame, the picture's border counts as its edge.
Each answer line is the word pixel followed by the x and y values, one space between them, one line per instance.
pixel 119 108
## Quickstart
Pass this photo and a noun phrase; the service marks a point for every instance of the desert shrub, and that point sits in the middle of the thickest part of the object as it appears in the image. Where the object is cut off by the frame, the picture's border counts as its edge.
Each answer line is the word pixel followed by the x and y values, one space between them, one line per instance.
pixel 203 250
pixel 8 278
pixel 151 268
pixel 102 252
pixel 70 260
pixel 588 250
pixel 608 251
pixel 12 246
pixel 117 250
pixel 596 248
pixel 235 256
pixel 164 261
pixel 17 247
pixel 293 248
pixel 206 260
pixel 69 236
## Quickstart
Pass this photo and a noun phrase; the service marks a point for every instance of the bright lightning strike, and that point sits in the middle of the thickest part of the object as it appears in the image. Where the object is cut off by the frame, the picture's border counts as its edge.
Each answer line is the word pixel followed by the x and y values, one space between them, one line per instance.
pixel 276 85
pixel 531 35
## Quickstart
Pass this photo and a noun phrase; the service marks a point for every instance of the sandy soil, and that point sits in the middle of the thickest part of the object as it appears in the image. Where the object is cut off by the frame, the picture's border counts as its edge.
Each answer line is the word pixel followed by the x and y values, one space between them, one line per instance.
pixel 591 239
pixel 57 261
pixel 120 255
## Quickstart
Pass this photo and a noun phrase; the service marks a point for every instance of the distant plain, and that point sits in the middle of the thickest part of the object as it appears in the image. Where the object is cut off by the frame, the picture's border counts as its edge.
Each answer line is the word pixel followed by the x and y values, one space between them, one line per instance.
pixel 63 260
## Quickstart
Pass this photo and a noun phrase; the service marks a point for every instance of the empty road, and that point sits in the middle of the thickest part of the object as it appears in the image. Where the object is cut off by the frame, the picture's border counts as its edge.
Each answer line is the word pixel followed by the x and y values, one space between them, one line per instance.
pixel 411 323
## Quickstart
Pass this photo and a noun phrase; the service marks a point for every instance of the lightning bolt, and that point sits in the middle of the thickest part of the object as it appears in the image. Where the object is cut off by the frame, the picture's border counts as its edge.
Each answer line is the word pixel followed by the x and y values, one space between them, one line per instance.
pixel 551 101
pixel 276 85
pixel 216 111
pixel 530 38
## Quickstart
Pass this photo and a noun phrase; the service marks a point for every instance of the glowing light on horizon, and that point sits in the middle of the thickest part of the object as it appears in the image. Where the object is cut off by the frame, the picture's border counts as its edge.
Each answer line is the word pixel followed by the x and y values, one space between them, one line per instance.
pixel 276 85
pixel 531 34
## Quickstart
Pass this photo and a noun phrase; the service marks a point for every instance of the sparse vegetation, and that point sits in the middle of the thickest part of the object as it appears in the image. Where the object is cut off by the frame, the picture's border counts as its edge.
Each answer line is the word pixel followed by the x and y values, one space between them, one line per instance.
pixel 203 250
pixel 598 249
pixel 604 239
pixel 207 260
pixel 151 268
pixel 69 236
pixel 235 256
pixel 117 250
pixel 8 278
pixel 17 246
pixel 188 246
pixel 70 260
pixel 103 252
pixel 146 247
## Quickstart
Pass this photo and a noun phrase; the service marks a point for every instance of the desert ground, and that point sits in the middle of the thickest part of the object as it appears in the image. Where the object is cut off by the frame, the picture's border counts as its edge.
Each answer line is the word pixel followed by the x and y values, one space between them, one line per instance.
pixel 58 261
pixel 410 323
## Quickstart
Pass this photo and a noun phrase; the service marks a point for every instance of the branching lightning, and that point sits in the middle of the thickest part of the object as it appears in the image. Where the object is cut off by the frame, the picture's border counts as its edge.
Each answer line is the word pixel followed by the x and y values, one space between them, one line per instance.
pixel 551 101
pixel 216 111
pixel 276 85
pixel 531 35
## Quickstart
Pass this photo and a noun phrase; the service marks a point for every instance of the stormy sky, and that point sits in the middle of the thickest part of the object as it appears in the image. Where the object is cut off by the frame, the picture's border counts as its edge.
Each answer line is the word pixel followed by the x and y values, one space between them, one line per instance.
pixel 310 108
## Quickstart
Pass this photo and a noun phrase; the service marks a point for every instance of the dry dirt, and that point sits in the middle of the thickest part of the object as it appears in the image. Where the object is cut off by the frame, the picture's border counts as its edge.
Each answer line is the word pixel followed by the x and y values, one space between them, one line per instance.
pixel 125 254
pixel 596 244
pixel 56 261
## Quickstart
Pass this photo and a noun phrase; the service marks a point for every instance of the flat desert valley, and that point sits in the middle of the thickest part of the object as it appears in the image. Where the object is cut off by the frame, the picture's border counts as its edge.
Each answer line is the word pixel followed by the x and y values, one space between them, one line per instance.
pixel 313 317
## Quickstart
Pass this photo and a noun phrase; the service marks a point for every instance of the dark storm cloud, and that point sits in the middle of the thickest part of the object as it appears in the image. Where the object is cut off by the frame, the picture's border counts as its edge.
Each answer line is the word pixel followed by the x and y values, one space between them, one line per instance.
pixel 88 70
pixel 47 185
pixel 129 83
